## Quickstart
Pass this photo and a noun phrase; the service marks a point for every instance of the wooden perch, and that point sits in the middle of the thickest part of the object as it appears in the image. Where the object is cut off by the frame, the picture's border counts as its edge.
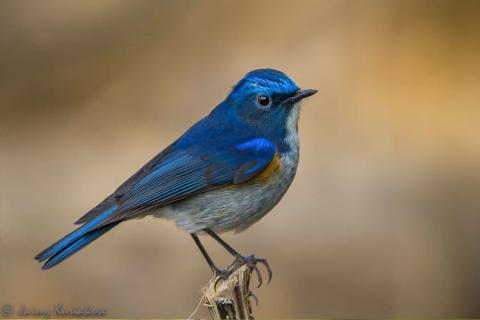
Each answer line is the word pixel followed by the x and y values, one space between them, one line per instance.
pixel 230 298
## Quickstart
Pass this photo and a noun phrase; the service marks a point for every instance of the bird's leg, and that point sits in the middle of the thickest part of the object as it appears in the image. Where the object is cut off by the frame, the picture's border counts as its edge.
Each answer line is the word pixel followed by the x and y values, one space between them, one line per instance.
pixel 216 271
pixel 241 260
pixel 227 247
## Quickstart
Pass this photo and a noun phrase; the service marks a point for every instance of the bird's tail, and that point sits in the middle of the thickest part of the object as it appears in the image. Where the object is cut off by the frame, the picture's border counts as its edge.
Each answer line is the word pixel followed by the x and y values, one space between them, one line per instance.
pixel 75 241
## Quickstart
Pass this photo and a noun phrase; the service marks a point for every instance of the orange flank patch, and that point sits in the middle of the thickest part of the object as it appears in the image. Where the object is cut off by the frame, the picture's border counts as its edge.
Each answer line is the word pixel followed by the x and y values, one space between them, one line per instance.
pixel 270 171
pixel 265 177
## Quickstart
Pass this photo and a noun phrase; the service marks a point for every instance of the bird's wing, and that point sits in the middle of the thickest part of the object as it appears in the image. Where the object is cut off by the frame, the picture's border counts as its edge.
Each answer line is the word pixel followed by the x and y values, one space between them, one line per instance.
pixel 180 173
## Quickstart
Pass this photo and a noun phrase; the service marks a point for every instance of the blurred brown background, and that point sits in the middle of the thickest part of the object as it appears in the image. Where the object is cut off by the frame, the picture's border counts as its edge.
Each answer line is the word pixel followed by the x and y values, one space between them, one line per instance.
pixel 383 218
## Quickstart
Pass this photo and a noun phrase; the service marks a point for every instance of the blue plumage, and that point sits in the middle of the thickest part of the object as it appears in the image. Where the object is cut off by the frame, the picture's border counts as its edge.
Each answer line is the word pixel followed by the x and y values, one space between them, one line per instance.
pixel 76 246
pixel 63 243
pixel 229 147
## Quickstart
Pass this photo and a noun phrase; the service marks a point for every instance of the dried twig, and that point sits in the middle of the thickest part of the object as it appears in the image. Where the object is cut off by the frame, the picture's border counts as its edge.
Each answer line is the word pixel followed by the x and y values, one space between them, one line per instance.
pixel 230 298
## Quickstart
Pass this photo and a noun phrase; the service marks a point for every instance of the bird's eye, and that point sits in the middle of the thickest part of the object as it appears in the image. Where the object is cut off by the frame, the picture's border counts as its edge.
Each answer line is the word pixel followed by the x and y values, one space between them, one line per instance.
pixel 263 100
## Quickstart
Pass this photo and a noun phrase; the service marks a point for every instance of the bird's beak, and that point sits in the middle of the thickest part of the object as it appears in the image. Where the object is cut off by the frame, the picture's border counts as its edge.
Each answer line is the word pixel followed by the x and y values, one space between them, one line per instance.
pixel 299 95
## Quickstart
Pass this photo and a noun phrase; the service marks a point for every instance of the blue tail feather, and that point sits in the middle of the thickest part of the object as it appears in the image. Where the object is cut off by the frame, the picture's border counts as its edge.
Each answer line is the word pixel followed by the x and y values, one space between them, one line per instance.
pixel 72 238
pixel 77 246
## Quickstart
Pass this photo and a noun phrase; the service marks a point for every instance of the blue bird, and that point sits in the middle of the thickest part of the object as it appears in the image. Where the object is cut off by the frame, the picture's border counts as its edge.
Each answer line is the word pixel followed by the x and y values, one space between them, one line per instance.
pixel 223 174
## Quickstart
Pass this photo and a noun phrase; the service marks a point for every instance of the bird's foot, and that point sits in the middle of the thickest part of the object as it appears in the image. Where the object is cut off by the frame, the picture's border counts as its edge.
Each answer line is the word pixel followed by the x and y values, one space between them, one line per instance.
pixel 222 273
pixel 252 261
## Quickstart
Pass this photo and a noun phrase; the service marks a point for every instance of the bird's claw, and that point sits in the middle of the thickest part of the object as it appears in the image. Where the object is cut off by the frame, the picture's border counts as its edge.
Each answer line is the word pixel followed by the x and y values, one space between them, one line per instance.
pixel 252 295
pixel 252 261
pixel 267 266
pixel 222 273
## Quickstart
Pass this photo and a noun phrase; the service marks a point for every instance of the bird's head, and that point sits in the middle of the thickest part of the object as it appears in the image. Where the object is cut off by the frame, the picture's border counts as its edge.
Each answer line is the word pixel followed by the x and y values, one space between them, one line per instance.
pixel 268 100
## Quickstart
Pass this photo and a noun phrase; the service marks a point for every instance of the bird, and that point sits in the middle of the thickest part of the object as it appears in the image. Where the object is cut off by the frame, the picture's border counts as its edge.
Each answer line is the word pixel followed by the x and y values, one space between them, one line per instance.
pixel 223 174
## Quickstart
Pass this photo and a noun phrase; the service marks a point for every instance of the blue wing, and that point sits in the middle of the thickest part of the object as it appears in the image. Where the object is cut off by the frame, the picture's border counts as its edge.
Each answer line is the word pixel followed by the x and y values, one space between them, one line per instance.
pixel 186 168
